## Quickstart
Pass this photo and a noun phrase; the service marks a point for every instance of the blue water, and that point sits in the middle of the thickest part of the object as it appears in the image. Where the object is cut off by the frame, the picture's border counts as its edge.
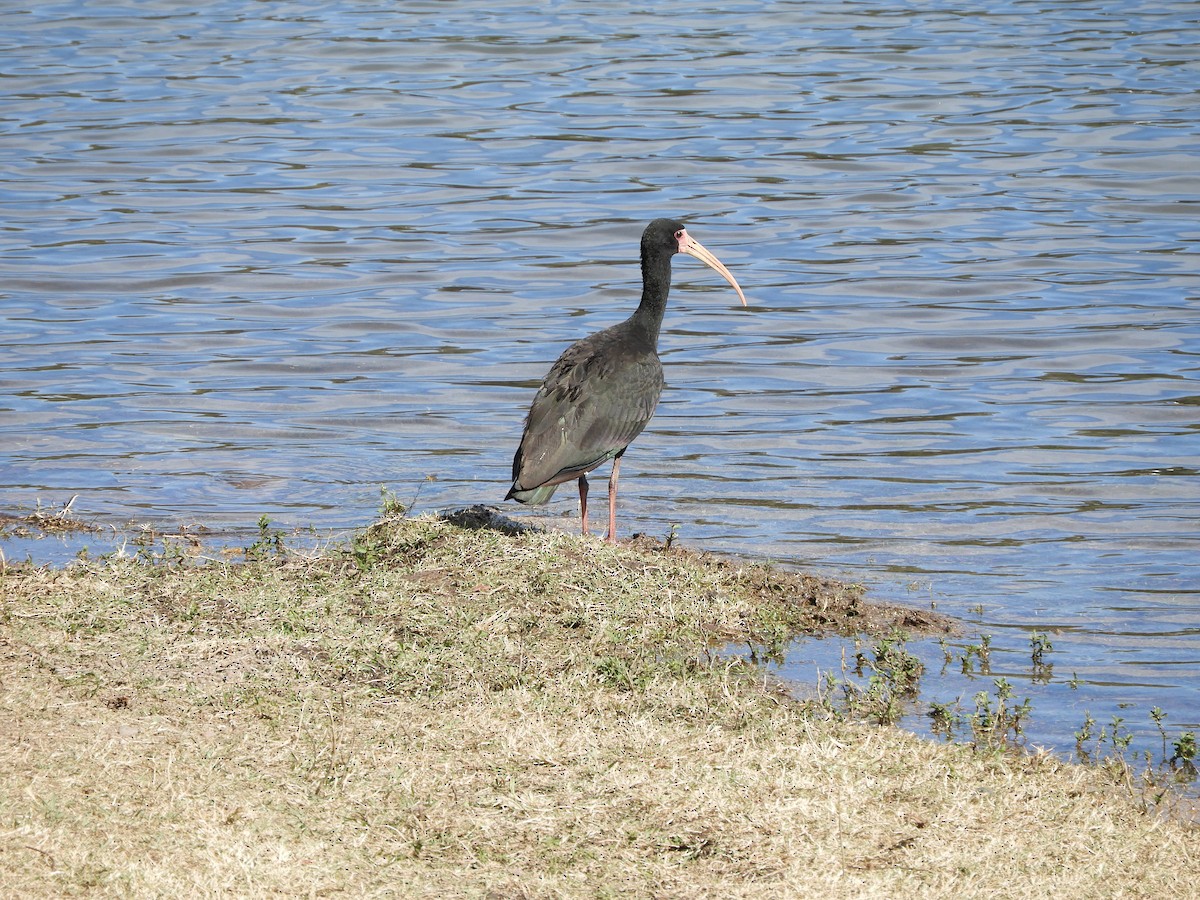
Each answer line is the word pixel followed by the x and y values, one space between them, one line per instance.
pixel 267 258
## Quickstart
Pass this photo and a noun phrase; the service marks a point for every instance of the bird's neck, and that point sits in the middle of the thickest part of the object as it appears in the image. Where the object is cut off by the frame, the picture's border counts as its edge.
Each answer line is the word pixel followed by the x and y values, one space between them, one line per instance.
pixel 656 285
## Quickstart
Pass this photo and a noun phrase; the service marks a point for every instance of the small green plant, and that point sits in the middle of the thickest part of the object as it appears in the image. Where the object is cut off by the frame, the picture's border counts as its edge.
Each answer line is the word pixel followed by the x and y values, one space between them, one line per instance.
pixel 894 662
pixel 1121 737
pixel 672 536
pixel 1083 735
pixel 892 676
pixel 270 541
pixel 1158 717
pixel 1184 758
pixel 982 652
pixel 1041 645
pixel 621 674
pixel 1115 734
pixel 390 506
pixel 998 725
pixel 1156 785
pixel 945 720
pixel 947 653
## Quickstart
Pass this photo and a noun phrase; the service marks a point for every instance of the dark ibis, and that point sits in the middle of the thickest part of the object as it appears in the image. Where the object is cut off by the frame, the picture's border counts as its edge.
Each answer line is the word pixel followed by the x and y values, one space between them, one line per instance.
pixel 603 390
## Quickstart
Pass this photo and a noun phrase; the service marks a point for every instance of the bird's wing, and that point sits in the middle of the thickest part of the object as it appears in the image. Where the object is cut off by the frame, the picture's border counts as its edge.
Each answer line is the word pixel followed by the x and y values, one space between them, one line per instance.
pixel 596 398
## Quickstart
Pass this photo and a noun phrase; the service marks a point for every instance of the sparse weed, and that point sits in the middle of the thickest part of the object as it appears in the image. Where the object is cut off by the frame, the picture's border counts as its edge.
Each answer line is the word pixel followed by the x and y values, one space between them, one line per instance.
pixel 390 506
pixel 981 652
pixel 45 520
pixel 672 536
pixel 945 720
pixel 1158 784
pixel 892 676
pixel 269 543
pixel 996 725
pixel 1184 757
pixel 1043 671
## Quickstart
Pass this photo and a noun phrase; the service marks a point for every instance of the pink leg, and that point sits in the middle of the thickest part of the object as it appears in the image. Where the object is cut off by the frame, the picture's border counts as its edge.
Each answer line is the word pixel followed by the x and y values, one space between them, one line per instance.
pixel 583 489
pixel 612 501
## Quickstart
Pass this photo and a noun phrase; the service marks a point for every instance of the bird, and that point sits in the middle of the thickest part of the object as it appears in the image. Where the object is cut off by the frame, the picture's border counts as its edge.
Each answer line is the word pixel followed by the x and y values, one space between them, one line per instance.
pixel 604 388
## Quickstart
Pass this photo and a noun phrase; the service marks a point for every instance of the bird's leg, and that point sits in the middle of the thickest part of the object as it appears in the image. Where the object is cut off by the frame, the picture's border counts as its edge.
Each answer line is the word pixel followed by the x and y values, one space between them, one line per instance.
pixel 612 501
pixel 583 488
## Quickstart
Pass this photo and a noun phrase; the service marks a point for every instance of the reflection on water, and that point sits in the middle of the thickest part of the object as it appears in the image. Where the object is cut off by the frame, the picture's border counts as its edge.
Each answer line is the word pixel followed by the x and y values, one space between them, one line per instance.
pixel 265 260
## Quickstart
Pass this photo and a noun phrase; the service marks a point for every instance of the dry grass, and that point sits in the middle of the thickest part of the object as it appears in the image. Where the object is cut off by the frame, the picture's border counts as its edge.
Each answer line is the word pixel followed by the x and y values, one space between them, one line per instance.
pixel 44 521
pixel 449 711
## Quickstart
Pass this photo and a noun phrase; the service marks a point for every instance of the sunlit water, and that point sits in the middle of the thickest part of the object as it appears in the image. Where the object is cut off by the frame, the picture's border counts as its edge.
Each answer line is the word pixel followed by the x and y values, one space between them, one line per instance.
pixel 265 258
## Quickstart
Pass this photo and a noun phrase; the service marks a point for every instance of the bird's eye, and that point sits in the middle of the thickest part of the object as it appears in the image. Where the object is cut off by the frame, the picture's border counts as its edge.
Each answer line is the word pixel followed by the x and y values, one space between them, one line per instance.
pixel 679 234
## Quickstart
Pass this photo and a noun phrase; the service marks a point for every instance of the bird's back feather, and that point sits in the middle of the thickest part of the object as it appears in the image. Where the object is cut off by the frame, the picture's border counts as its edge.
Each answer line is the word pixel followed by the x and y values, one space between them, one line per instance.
pixel 596 398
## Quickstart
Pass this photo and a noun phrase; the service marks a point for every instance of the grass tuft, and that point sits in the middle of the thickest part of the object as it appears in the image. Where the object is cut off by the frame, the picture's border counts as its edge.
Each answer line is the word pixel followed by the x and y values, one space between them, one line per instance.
pixel 45 521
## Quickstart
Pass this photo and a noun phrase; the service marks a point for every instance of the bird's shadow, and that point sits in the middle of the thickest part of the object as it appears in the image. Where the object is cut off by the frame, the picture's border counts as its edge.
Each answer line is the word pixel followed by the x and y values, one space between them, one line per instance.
pixel 487 518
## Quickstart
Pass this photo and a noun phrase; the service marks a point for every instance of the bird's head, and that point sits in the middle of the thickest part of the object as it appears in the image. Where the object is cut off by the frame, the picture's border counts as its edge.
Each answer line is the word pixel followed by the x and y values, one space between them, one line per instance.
pixel 671 236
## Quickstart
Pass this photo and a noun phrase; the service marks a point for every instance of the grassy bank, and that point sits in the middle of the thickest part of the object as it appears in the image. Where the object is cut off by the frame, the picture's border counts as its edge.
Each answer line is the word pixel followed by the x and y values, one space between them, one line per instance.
pixel 453 710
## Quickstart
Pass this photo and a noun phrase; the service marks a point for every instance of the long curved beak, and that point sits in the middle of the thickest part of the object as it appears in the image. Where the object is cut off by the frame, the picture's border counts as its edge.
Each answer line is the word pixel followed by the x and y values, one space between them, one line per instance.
pixel 692 247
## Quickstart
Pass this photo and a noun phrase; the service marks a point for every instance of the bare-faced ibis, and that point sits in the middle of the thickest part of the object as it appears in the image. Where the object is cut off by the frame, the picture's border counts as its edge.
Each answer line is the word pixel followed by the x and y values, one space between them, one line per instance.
pixel 603 390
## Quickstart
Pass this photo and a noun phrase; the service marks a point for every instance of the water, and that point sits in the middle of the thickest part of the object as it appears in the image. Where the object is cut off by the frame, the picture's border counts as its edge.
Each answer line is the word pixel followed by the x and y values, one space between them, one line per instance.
pixel 263 259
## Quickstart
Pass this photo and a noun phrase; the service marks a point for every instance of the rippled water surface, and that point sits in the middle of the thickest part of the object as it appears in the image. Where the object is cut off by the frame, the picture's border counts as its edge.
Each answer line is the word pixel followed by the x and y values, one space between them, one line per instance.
pixel 265 258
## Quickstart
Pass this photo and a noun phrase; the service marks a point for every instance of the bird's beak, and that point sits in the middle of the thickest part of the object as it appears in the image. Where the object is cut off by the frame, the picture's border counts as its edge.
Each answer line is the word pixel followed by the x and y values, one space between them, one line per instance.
pixel 692 247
